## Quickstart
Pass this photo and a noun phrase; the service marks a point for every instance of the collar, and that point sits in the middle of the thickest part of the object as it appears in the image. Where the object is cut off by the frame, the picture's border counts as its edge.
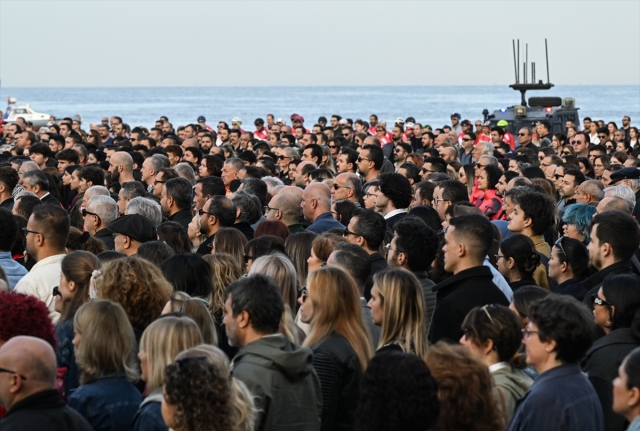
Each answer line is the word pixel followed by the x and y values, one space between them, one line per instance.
pixel 47 399
pixel 51 260
pixel 394 212
pixel 557 372
pixel 323 216
pixel 498 366
pixel 475 272
pixel 45 195
pixel 154 397
pixel 617 336
pixel 595 279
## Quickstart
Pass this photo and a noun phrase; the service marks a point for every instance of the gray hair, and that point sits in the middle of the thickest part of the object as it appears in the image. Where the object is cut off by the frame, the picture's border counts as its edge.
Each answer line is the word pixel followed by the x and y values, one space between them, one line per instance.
pixel 487 148
pixel 291 152
pixel 29 165
pixel 272 183
pixel 156 162
pixel 147 208
pixel 623 192
pixel 490 159
pixel 185 171
pixel 36 177
pixel 595 189
pixel 105 207
pixel 132 189
pixel 96 191
pixel 249 205
pixel 163 159
pixel 235 162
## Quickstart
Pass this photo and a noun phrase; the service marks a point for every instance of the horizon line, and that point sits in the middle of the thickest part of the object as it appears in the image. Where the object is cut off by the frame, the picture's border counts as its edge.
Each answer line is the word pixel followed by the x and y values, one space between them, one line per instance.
pixel 319 86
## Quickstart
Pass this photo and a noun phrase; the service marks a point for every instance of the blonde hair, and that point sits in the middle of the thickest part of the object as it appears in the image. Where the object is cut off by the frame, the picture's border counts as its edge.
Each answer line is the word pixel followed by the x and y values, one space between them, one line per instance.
pixel 224 271
pixel 242 404
pixel 324 244
pixel 196 308
pixel 403 312
pixel 162 341
pixel 138 286
pixel 336 305
pixel 280 268
pixel 108 342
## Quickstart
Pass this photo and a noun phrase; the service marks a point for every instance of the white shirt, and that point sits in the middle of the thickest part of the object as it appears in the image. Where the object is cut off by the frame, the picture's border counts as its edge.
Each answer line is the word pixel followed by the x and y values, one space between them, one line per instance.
pixel 499 280
pixel 40 281
pixel 394 212
pixel 497 366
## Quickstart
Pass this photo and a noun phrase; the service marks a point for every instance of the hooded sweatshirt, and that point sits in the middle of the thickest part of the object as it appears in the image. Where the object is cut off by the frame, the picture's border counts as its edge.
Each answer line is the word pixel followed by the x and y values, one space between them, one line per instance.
pixel 281 375
pixel 511 384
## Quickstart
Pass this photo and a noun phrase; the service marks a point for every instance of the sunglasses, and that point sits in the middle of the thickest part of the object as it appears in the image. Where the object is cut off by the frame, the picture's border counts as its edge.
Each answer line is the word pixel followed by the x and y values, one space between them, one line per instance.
pixel 467 139
pixel 522 134
pixel 599 301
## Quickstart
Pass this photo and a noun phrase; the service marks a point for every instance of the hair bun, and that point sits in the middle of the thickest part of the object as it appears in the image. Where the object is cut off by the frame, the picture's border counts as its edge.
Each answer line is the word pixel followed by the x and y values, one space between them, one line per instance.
pixel 84 237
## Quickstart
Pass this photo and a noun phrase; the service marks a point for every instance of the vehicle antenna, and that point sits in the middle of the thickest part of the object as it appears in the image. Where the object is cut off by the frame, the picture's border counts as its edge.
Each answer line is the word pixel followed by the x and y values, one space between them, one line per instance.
pixel 547 52
pixel 515 67
pixel 526 63
pixel 518 61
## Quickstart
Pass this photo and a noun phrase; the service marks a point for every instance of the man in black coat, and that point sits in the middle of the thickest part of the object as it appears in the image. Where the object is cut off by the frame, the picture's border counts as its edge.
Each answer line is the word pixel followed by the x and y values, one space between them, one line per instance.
pixel 28 389
pixel 177 196
pixel 468 239
pixel 217 212
pixel 614 240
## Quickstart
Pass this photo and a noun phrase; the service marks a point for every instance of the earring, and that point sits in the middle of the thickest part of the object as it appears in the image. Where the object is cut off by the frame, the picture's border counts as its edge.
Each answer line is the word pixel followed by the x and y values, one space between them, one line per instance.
pixel 608 322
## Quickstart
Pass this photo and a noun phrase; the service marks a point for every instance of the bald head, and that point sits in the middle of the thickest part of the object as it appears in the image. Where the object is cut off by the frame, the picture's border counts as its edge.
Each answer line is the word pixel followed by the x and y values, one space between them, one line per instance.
pixel 29 166
pixel 590 191
pixel 296 191
pixel 612 204
pixel 34 360
pixel 288 204
pixel 321 193
pixel 121 158
pixel 191 142
pixel 371 140
pixel 518 181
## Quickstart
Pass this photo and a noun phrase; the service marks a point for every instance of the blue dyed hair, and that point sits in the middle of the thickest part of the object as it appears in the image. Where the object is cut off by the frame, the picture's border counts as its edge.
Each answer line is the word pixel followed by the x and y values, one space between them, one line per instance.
pixel 579 215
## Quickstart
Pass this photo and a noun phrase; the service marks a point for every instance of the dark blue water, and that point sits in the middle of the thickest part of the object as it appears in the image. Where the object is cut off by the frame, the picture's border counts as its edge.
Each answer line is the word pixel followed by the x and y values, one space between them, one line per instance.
pixel 429 105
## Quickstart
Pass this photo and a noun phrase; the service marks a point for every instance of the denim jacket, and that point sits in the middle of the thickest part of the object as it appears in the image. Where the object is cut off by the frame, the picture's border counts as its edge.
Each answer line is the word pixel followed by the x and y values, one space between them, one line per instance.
pixel 108 403
pixel 149 416
pixel 66 356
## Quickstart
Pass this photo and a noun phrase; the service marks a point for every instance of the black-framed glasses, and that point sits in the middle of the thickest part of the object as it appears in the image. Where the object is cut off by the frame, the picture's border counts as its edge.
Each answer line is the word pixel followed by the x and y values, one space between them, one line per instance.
pixel 388 248
pixel 202 211
pixel 332 146
pixel 361 159
pixel 27 231
pixel 498 257
pixel 267 208
pixel 467 139
pixel 159 182
pixel 85 212
pixel 248 257
pixel 283 157
pixel 347 232
pixel 526 333
pixel 336 187
pixel 598 301
pixel 4 370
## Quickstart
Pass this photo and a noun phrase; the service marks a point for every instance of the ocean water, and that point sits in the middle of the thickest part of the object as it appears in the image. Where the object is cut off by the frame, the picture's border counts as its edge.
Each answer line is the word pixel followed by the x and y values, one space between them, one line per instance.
pixel 428 105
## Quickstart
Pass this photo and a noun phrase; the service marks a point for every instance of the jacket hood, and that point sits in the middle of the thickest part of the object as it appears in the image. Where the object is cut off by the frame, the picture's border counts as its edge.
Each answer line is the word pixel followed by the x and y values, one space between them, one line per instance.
pixel 278 353
pixel 514 381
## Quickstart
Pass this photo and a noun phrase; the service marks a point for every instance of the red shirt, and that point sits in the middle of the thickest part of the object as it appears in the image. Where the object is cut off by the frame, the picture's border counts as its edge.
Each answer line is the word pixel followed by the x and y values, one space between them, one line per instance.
pixel 509 139
pixel 262 135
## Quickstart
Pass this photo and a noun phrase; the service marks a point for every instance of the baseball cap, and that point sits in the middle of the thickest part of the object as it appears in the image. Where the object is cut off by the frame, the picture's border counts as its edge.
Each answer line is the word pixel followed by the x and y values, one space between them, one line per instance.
pixel 298 118
pixel 456 115
pixel 281 120
pixel 201 118
pixel 410 125
pixel 399 120
pixel 135 226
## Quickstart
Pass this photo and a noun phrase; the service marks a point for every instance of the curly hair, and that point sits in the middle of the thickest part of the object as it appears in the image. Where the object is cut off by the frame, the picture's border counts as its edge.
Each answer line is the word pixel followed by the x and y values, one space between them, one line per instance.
pixel 22 314
pixel 139 287
pixel 396 188
pixel 224 271
pixel 464 390
pixel 201 395
pixel 417 241
pixel 397 392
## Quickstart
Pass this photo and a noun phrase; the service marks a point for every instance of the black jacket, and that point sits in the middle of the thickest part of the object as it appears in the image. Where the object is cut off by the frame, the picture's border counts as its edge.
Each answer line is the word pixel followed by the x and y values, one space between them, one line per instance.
pixel 593 283
pixel 338 369
pixel 44 410
pixel 246 229
pixel 601 365
pixel 378 263
pixel 183 217
pixel 391 221
pixel 205 247
pixel 106 237
pixel 525 281
pixel 636 209
pixel 50 200
pixel 571 287
pixel 457 295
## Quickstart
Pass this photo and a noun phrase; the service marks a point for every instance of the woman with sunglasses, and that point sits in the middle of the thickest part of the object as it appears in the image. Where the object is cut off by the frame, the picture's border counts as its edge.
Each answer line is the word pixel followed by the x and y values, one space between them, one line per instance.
pixel 494 334
pixel 340 342
pixel 616 308
pixel 568 266
pixel 559 333
pixel 75 276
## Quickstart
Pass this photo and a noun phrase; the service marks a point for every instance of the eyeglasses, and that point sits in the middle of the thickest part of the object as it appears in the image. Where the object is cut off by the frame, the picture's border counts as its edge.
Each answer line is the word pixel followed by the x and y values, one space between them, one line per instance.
pixel 248 257
pixel 522 134
pixel 336 187
pixel 85 212
pixel 267 208
pixel 346 135
pixel 556 176
pixel 388 248
pixel 371 195
pixel 602 136
pixel 361 159
pixel 283 157
pixel 526 333
pixel 478 165
pixel 467 139
pixel 577 142
pixel 3 370
pixel 161 182
pixel 202 211
pixel 27 231
pixel 436 200
pixel 347 232
pixel 332 146
pixel 599 301
pixel 498 257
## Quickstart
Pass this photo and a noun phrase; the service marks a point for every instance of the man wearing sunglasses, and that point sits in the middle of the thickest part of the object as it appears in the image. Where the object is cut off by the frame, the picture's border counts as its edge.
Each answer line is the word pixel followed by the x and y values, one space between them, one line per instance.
pixel 524 138
pixel 100 211
pixel 217 212
pixel 614 240
pixel 28 388
pixel 401 151
pixel 347 186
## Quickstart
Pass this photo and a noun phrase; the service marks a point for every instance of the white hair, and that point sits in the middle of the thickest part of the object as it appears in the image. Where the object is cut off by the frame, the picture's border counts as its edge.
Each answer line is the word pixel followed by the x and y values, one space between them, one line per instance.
pixel 96 191
pixel 147 208
pixel 105 207
pixel 272 183
pixel 623 192
pixel 185 171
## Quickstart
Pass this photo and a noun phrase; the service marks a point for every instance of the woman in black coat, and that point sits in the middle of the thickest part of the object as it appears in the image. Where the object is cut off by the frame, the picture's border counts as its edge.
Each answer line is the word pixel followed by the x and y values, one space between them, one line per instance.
pixel 568 266
pixel 616 308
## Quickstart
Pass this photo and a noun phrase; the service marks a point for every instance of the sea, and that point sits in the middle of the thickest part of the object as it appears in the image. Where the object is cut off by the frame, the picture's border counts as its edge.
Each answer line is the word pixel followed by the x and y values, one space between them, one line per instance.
pixel 433 105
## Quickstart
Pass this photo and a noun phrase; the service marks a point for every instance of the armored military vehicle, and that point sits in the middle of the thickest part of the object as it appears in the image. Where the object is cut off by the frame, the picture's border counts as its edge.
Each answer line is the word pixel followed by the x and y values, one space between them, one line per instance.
pixel 555 110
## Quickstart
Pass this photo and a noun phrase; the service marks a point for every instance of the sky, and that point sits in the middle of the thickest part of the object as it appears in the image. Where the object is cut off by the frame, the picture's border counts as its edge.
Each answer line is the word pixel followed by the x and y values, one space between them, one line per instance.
pixel 87 43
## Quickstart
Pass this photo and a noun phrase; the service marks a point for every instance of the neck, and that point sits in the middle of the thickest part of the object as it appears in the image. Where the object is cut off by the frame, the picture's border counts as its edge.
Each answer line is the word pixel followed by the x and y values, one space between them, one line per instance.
pixel 44 253
pixel 514 276
pixel 608 261
pixel 372 175
pixel 548 364
pixel 4 196
pixel 390 207
pixel 464 264
pixel 125 177
pixel 568 275
pixel 251 336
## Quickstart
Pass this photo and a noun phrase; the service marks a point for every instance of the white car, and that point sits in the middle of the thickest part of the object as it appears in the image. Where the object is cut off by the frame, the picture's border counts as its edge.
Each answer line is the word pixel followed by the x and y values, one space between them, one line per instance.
pixel 14 111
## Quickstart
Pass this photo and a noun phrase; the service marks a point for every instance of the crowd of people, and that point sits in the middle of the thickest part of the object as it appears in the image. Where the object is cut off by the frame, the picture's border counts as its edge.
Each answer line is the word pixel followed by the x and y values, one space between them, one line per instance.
pixel 354 276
